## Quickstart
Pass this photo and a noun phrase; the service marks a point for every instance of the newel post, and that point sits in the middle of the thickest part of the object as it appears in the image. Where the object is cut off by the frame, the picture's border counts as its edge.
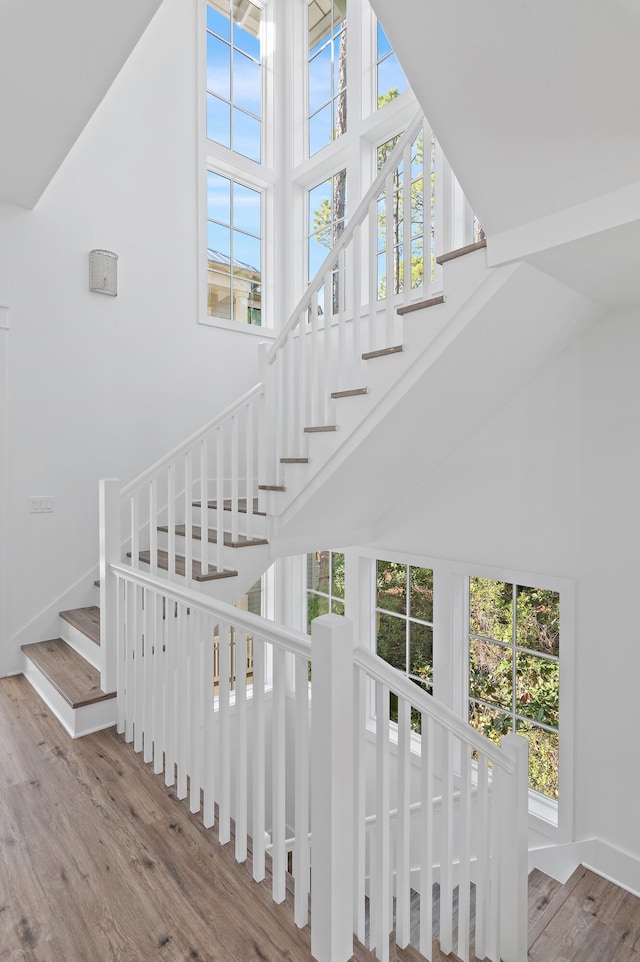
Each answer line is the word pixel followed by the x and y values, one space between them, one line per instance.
pixel 109 554
pixel 515 818
pixel 332 789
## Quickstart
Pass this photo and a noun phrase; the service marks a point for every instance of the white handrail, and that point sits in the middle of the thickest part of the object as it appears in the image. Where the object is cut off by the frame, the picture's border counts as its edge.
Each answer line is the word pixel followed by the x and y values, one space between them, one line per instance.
pixel 184 446
pixel 399 684
pixel 355 221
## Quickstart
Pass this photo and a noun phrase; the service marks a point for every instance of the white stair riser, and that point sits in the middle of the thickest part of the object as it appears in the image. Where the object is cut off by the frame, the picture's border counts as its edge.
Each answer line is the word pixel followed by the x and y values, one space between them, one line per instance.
pixel 80 643
pixel 76 721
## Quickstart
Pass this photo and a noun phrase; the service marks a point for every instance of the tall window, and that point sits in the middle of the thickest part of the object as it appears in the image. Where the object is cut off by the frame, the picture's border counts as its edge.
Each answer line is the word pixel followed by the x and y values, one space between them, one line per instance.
pixel 397 233
pixel 325 584
pixel 404 619
pixel 234 250
pixel 327 72
pixel 234 76
pixel 514 670
pixel 390 78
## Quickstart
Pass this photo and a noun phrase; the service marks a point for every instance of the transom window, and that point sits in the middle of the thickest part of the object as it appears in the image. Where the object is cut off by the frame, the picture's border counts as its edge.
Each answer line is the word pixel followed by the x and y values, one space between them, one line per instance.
pixel 514 670
pixel 234 215
pixel 326 72
pixel 390 78
pixel 234 76
pixel 325 584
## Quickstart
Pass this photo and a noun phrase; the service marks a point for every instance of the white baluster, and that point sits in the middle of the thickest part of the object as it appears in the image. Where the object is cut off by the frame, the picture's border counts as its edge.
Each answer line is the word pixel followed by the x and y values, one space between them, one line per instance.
pixel 204 506
pixel 188 518
pixel 302 398
pixel 325 376
pixel 381 921
pixel 234 481
pixel 495 880
pixel 110 548
pixel 220 499
pixel 259 753
pixel 426 836
pixel 171 520
pixel 482 862
pixel 407 220
pixel 224 797
pixel 196 668
pixel 153 526
pixel 138 671
pixel 301 857
pixel 159 692
pixel 249 463
pixel 514 934
pixel 390 200
pixel 279 852
pixel 354 271
pixel 241 752
pixel 135 530
pixel 372 262
pixel 314 363
pixel 120 643
pixel 146 674
pixel 183 752
pixel 132 618
pixel 403 878
pixel 464 832
pixel 359 806
pixel 210 755
pixel 446 846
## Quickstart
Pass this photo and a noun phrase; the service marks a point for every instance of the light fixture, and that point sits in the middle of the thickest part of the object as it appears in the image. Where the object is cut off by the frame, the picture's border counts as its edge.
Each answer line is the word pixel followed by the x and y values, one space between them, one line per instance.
pixel 103 272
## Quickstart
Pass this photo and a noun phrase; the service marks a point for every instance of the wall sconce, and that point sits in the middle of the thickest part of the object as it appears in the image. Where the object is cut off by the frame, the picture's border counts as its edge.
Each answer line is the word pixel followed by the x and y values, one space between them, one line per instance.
pixel 103 272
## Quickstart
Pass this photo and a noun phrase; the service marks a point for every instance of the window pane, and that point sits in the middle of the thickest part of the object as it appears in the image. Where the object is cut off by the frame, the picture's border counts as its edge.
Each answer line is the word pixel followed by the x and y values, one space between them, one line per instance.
pixel 219 295
pixel 318 249
pixel 316 605
pixel 543 758
pixel 246 252
pixel 490 722
pixel 490 673
pixel 383 44
pixel 320 576
pixel 392 586
pixel 320 130
pixel 246 135
pixel 246 35
pixel 337 574
pixel 320 79
pixel 320 205
pixel 391 80
pixel 490 608
pixel 417 207
pixel 391 640
pixel 421 593
pixel 247 81
pixel 420 651
pixel 538 619
pixel 218 197
pixel 218 121
pixel 219 239
pixel 217 21
pixel 340 114
pixel 218 72
pixel 246 209
pixel 340 62
pixel 337 607
pixel 417 263
pixel 538 688
pixel 417 157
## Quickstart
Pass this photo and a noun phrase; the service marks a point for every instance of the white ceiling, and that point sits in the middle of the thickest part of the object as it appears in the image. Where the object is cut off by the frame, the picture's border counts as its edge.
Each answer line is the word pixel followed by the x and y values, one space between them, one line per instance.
pixel 539 93
pixel 57 61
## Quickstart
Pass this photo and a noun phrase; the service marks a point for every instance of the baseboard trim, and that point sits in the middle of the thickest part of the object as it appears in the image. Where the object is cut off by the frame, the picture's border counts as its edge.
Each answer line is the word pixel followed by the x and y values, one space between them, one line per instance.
pixel 559 861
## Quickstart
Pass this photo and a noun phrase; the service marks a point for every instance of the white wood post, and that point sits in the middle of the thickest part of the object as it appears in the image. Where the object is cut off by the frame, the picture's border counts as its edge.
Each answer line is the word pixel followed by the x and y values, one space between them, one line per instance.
pixel 4 479
pixel 109 554
pixel 515 816
pixel 332 789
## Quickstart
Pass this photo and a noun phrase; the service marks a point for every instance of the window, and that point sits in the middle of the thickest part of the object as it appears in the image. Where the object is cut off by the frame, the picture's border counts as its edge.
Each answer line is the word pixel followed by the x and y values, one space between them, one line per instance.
pixel 327 72
pixel 396 236
pixel 390 78
pixel 234 76
pixel 234 214
pixel 327 211
pixel 404 619
pixel 325 584
pixel 514 670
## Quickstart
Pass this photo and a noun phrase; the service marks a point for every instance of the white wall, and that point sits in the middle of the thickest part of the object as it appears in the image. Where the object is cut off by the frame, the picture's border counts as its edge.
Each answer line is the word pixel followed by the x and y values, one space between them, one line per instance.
pixel 550 485
pixel 103 386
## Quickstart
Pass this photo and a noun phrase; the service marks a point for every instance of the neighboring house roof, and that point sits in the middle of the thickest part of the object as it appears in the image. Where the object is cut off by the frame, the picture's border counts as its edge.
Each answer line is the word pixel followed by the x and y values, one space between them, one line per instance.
pixel 219 258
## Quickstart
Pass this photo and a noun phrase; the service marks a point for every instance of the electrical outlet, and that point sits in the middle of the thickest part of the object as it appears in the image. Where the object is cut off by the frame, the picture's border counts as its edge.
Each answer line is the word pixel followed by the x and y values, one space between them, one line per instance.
pixel 41 505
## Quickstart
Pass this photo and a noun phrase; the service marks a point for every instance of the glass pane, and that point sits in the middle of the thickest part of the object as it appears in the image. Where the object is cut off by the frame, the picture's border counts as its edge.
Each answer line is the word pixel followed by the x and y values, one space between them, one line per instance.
pixel 385 149
pixel 219 293
pixel 340 114
pixel 537 688
pixel 417 207
pixel 339 201
pixel 246 209
pixel 391 579
pixel 320 572
pixel 247 83
pixel 543 758
pixel 246 35
pixel 337 607
pixel 382 224
pixel 319 24
pixel 218 70
pixel 490 673
pixel 420 651
pixel 391 640
pixel 217 21
pixel 320 205
pixel 417 263
pixel 538 619
pixel 320 130
pixel 246 135
pixel 417 157
pixel 218 197
pixel 219 241
pixel 490 608
pixel 391 80
pixel 382 276
pixel 246 253
pixel 218 121
pixel 421 593
pixel 340 62
pixel 320 79
pixel 316 605
pixel 337 574
pixel 489 722
pixel 383 44
pixel 319 246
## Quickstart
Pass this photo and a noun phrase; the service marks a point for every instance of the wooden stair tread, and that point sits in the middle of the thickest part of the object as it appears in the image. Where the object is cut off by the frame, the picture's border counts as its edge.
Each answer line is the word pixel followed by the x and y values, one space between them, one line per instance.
pixel 383 352
pixel 555 904
pixel 271 487
pixel 354 392
pixel 461 251
pixel 294 460
pixel 420 305
pixel 212 573
pixel 70 674
pixel 212 537
pixel 226 506
pixel 86 620
pixel 320 428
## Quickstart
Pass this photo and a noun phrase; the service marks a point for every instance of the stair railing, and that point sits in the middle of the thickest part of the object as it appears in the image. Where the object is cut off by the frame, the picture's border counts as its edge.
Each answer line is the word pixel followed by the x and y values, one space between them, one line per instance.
pixel 206 692
pixel 384 258
pixel 204 490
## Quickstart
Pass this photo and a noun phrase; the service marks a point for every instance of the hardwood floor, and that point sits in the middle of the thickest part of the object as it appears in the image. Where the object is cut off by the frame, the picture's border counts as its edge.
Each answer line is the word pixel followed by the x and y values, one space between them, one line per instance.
pixel 100 861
